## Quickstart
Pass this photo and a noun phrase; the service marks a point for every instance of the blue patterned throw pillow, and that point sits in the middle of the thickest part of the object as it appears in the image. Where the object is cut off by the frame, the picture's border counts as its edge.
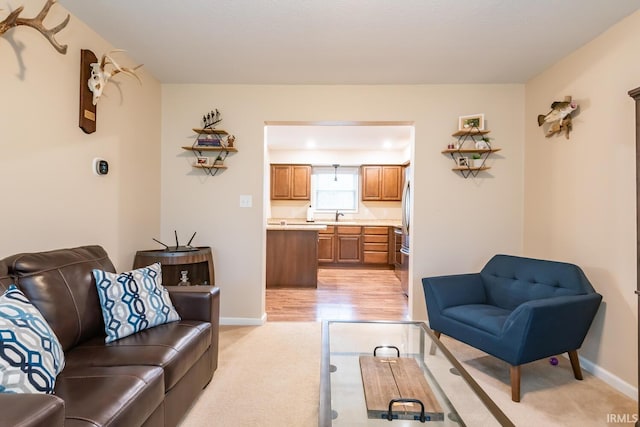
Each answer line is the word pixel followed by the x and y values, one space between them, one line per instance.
pixel 30 354
pixel 133 301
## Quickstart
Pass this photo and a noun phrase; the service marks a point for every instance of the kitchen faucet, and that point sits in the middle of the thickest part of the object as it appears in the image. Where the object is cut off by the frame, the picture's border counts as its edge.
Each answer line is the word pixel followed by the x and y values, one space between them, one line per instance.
pixel 338 214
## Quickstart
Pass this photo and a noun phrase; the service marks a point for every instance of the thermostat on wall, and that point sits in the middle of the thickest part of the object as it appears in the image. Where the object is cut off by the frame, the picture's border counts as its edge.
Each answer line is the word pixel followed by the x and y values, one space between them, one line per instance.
pixel 100 166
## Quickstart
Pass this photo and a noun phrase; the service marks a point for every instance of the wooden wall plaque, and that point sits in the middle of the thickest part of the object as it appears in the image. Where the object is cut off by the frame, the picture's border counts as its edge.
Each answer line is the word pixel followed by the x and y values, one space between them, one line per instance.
pixel 87 117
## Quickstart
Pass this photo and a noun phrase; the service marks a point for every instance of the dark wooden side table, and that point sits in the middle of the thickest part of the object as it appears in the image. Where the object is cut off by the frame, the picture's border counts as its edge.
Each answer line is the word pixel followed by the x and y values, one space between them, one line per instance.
pixel 198 264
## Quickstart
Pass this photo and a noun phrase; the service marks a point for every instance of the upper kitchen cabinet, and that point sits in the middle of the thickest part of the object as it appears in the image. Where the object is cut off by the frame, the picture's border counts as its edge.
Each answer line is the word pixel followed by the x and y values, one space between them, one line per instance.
pixel 382 182
pixel 290 182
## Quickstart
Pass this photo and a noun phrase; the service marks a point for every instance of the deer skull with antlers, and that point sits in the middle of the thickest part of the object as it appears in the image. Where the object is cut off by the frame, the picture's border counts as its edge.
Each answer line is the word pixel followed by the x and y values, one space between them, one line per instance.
pixel 13 20
pixel 100 74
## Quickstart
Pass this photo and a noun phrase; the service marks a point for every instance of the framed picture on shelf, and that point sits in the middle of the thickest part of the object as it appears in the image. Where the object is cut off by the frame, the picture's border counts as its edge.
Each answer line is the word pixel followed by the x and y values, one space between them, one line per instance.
pixel 202 161
pixel 471 122
pixel 463 162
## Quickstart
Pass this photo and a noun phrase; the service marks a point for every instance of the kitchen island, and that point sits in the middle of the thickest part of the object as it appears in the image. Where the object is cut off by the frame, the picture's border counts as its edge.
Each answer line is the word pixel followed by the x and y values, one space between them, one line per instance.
pixel 292 255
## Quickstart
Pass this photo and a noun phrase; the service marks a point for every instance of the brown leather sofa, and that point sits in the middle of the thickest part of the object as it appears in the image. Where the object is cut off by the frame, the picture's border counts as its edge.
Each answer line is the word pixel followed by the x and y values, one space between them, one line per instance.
pixel 150 378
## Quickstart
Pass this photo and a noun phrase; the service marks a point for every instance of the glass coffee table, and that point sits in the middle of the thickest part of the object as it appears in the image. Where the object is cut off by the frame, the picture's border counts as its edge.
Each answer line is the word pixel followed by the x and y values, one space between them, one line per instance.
pixel 363 360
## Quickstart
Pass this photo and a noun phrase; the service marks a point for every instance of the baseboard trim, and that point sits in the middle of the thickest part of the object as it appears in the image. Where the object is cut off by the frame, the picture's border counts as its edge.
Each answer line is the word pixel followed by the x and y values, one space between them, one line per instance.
pixel 606 376
pixel 243 321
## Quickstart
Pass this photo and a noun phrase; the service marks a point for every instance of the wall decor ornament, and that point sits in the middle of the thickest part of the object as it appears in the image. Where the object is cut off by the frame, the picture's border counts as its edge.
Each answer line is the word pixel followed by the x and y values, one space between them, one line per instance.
pixel 94 77
pixel 559 118
pixel 14 20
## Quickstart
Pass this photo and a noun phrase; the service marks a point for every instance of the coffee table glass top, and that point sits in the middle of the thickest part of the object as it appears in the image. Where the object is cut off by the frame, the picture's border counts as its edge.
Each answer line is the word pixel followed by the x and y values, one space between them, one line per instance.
pixel 347 355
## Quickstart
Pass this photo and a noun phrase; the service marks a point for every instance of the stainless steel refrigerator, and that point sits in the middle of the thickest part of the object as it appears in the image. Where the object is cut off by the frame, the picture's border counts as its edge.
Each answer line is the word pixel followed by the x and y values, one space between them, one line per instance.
pixel 405 248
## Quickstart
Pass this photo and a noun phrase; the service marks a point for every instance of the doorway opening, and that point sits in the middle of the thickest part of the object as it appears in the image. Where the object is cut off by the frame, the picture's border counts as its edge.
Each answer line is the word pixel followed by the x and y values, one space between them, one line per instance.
pixel 344 291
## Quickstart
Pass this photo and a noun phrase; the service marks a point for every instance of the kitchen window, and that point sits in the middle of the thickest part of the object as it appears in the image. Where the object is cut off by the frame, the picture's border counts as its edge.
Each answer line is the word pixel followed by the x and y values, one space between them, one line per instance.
pixel 335 188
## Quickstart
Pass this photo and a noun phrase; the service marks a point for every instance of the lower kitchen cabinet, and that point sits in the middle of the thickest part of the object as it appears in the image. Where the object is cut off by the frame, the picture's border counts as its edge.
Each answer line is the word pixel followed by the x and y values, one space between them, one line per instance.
pixel 348 245
pixel 327 245
pixel 353 246
pixel 292 258
pixel 376 245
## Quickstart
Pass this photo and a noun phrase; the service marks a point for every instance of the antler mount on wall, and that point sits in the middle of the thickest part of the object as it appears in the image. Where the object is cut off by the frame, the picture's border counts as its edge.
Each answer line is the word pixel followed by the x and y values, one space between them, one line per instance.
pixel 94 77
pixel 14 20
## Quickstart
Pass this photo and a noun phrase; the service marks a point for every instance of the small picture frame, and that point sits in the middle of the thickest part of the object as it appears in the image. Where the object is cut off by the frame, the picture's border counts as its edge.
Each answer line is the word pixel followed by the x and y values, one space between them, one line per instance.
pixel 475 121
pixel 202 161
pixel 463 162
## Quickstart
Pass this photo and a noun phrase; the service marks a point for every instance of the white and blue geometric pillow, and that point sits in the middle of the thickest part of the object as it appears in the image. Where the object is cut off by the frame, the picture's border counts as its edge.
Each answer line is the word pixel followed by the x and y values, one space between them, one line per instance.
pixel 30 354
pixel 133 301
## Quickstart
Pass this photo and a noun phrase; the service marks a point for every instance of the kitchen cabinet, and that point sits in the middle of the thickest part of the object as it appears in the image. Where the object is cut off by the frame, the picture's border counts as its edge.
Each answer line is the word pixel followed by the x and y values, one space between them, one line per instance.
pixel 292 258
pixel 375 245
pixel 290 182
pixel 356 246
pixel 327 245
pixel 348 244
pixel 382 182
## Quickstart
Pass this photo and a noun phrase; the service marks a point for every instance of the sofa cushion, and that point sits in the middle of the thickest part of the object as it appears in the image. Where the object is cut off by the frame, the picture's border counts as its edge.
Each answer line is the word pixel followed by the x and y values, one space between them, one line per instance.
pixel 175 347
pixel 60 284
pixel 489 318
pixel 30 355
pixel 133 301
pixel 510 280
pixel 110 396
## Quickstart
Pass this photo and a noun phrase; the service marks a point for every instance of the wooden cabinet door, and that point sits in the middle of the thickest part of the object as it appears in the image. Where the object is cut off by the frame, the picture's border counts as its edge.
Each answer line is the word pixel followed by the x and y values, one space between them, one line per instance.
pixel 301 182
pixel 382 182
pixel 280 182
pixel 348 249
pixel 391 186
pixel 290 182
pixel 348 244
pixel 326 248
pixel 371 179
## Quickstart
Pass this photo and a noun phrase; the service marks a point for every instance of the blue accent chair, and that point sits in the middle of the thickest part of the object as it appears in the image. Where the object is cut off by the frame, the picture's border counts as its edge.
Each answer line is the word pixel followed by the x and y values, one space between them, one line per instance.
pixel 516 309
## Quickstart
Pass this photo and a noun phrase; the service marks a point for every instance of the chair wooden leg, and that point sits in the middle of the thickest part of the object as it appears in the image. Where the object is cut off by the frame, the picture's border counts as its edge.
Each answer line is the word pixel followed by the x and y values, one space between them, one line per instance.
pixel 432 349
pixel 514 373
pixel 575 364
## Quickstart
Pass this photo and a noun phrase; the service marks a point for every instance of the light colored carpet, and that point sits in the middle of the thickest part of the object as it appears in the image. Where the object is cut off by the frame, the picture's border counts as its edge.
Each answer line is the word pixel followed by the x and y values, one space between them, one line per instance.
pixel 270 376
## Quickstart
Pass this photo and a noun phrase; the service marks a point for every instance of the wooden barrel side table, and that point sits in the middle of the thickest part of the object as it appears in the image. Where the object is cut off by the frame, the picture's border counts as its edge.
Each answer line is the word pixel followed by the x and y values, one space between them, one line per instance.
pixel 198 264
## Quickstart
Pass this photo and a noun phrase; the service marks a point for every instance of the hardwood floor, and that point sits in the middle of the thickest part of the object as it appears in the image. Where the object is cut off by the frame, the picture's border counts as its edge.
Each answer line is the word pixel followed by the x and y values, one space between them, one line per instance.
pixel 342 294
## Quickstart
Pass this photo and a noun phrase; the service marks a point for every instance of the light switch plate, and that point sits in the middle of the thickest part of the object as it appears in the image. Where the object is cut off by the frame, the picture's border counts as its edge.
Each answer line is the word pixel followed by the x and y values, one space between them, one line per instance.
pixel 246 201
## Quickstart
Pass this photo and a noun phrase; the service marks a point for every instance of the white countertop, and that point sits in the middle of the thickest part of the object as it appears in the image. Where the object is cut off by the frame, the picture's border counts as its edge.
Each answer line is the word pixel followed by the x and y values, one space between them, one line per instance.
pixel 297 227
pixel 291 222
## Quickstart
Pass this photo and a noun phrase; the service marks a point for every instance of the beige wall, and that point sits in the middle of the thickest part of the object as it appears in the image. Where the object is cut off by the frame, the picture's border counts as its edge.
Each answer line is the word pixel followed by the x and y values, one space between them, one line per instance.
pixel 580 193
pixel 51 197
pixel 458 224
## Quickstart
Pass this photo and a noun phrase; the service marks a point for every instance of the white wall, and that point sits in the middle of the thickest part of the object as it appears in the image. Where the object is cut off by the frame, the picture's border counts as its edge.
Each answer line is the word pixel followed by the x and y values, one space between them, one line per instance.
pixel 580 193
pixel 51 197
pixel 458 223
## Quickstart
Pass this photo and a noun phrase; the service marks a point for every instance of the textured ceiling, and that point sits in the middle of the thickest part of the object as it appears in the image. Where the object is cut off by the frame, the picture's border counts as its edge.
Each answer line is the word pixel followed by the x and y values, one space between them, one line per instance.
pixel 348 41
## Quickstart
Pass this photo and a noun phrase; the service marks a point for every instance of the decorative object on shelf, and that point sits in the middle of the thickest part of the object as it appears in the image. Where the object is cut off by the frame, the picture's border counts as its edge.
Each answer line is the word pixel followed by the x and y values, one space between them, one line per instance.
pixel 463 162
pixel 13 20
pixel 483 143
pixel 94 76
pixel 559 118
pixel 475 121
pixel 210 139
pixel 478 161
pixel 471 140
pixel 184 278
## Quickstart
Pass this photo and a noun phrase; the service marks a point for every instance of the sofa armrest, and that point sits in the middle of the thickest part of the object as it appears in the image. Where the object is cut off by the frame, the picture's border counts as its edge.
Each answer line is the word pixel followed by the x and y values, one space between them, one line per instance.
pixel 549 326
pixel 196 302
pixel 31 410
pixel 450 291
